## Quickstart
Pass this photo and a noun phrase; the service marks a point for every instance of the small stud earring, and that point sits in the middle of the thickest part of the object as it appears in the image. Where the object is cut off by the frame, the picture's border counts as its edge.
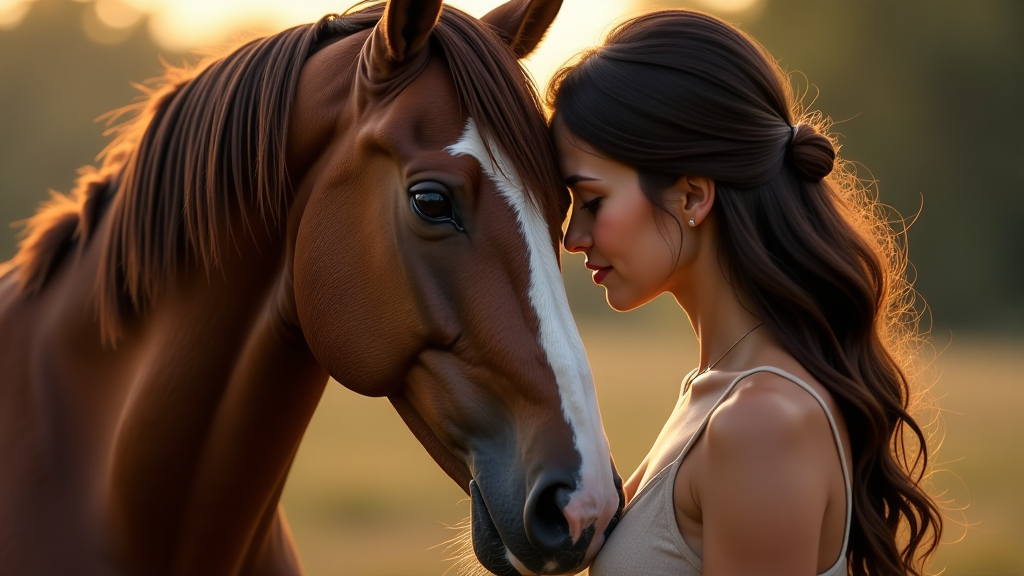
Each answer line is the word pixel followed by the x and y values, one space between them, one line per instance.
pixel 692 223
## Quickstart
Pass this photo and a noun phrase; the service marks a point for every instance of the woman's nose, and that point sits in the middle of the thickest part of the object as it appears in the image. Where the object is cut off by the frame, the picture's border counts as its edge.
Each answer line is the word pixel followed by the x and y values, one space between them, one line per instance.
pixel 577 236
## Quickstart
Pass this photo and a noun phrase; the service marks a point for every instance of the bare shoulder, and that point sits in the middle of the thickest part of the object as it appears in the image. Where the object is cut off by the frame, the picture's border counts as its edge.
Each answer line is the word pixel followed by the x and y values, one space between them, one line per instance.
pixel 764 479
pixel 766 411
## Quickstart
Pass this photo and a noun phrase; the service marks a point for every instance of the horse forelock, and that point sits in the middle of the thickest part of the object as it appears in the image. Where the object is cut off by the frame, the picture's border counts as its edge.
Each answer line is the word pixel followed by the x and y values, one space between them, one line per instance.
pixel 504 105
pixel 503 102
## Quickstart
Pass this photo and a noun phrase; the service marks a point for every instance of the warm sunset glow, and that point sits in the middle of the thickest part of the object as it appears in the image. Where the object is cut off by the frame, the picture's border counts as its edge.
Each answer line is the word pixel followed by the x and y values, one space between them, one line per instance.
pixel 728 5
pixel 181 25
pixel 721 8
pixel 12 12
pixel 580 25
pixel 116 13
pixel 184 24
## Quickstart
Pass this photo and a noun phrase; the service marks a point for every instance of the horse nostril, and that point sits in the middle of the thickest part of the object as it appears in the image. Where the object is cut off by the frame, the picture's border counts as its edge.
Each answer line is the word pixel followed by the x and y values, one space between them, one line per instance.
pixel 546 526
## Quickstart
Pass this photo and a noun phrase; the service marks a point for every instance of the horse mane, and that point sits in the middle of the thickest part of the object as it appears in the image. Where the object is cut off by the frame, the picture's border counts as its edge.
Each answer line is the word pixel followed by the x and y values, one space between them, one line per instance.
pixel 207 140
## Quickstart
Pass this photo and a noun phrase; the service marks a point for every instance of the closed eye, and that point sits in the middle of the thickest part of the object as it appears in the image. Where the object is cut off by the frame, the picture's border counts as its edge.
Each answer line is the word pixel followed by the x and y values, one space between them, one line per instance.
pixel 592 205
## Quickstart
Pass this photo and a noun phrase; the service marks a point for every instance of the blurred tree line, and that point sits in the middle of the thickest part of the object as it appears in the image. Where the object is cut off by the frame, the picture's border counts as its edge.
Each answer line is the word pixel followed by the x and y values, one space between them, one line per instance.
pixel 931 93
pixel 927 95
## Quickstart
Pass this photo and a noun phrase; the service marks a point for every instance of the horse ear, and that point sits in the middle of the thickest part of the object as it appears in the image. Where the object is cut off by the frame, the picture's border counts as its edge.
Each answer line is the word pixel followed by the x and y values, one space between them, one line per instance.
pixel 523 23
pixel 405 28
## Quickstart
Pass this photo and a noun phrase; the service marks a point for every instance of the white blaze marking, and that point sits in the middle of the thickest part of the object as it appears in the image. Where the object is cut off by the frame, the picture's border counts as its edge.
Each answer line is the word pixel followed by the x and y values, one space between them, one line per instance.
pixel 595 498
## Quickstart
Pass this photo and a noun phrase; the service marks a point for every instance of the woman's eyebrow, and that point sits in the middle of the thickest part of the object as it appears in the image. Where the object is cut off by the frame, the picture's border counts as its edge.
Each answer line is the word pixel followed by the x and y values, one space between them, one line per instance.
pixel 571 181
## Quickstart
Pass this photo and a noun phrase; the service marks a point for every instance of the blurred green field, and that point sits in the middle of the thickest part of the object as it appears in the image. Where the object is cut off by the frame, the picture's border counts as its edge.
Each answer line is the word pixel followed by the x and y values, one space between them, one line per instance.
pixel 364 499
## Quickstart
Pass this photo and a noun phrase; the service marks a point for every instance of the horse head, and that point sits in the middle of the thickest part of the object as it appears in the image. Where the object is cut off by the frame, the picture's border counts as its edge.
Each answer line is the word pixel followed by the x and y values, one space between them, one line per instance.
pixel 425 262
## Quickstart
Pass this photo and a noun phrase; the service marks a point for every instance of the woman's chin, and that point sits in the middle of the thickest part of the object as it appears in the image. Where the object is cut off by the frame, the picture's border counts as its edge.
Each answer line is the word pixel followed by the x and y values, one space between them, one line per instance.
pixel 622 302
pixel 626 298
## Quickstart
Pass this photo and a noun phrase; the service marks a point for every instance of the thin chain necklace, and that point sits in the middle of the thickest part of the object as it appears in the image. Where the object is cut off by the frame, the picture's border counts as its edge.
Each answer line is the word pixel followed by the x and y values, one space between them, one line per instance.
pixel 722 357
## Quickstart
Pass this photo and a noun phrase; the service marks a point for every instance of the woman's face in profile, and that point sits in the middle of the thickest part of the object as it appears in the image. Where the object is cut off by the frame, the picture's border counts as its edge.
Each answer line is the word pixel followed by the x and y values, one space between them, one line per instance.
pixel 627 241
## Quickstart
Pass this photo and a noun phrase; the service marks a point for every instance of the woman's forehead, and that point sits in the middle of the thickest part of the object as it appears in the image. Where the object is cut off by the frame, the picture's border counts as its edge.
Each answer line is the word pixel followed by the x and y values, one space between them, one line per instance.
pixel 580 162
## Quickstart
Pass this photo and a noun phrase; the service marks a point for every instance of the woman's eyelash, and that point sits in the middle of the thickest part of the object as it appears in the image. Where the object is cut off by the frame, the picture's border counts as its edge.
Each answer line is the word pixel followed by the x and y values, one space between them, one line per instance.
pixel 591 205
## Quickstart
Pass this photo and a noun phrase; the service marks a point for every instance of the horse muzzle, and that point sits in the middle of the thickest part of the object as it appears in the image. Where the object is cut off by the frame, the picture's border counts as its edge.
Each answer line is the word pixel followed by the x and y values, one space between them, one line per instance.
pixel 554 536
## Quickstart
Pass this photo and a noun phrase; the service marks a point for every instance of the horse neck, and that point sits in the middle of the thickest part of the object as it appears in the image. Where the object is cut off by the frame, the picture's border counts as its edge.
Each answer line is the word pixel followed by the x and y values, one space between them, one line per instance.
pixel 223 386
pixel 174 443
pixel 213 335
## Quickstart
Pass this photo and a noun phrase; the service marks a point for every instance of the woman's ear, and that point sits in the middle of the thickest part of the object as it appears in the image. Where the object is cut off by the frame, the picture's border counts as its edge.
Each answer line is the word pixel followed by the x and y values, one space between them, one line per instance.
pixel 698 197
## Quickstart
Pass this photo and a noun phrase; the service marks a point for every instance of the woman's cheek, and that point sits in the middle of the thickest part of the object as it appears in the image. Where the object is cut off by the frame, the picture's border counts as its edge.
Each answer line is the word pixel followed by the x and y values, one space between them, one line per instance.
pixel 609 233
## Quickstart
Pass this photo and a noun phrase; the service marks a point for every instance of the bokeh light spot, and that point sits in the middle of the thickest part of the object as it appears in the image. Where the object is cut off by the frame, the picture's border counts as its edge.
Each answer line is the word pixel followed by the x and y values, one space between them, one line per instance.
pixel 117 14
pixel 730 5
pixel 12 12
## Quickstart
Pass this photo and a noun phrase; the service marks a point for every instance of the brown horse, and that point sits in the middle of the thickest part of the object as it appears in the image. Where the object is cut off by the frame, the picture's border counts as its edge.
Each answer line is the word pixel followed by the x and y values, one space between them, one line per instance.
pixel 373 198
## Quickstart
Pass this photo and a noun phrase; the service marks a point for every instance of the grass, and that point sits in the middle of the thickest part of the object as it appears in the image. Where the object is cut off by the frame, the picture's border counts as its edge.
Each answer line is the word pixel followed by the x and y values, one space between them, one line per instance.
pixel 364 499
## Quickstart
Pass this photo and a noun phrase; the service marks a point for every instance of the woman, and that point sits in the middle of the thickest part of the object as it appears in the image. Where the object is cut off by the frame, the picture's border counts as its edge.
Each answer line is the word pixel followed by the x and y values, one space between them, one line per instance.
pixel 791 450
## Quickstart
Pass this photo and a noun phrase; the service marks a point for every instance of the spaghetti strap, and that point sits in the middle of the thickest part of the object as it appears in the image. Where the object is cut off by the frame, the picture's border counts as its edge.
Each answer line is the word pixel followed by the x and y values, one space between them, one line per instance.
pixel 835 434
pixel 647 539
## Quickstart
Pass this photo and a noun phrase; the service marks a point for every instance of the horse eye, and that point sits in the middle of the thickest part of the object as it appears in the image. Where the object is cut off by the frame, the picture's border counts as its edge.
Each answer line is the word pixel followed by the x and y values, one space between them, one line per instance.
pixel 432 206
pixel 431 201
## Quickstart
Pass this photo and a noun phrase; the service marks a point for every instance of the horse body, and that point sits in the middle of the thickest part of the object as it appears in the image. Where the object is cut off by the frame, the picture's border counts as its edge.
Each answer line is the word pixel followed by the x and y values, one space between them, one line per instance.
pixel 168 452
pixel 154 388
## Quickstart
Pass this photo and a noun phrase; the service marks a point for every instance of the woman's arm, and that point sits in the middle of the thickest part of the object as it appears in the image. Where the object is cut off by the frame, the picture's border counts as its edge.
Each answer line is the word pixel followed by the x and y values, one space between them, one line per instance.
pixel 762 484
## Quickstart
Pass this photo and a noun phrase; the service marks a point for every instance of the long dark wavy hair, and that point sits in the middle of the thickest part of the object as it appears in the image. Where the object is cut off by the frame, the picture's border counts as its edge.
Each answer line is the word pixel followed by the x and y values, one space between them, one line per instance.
pixel 680 92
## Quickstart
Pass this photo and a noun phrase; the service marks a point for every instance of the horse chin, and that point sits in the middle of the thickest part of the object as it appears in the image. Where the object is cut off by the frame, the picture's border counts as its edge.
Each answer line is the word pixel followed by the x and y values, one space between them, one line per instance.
pixel 496 556
pixel 487 543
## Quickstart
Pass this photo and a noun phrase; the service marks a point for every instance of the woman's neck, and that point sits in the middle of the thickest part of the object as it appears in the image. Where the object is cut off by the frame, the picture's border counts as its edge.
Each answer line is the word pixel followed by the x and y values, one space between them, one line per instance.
pixel 717 314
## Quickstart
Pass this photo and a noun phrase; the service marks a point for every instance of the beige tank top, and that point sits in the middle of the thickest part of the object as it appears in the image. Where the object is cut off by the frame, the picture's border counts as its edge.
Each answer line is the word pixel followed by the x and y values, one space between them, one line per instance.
pixel 647 539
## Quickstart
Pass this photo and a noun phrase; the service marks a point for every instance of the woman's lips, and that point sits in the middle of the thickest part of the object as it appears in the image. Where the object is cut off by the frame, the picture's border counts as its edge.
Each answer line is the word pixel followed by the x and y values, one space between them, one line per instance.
pixel 599 271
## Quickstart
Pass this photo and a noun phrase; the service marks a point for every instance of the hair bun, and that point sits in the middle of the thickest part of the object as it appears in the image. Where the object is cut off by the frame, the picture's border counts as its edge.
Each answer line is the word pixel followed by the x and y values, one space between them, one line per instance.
pixel 812 153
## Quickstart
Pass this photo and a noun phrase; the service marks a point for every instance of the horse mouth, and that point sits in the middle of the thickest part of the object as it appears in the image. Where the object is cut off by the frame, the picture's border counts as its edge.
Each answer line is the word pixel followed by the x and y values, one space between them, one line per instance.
pixel 494 555
pixel 487 543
